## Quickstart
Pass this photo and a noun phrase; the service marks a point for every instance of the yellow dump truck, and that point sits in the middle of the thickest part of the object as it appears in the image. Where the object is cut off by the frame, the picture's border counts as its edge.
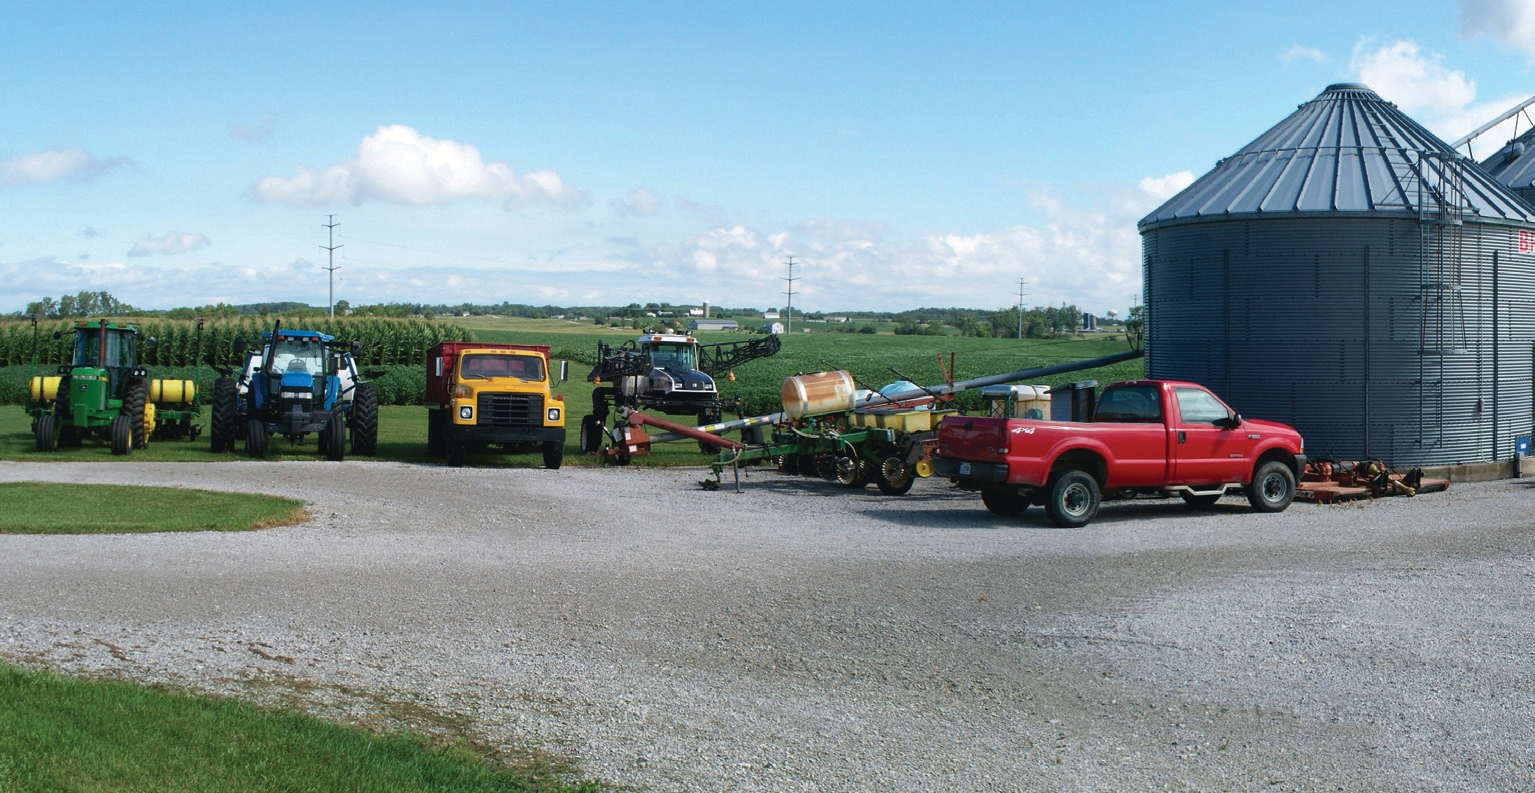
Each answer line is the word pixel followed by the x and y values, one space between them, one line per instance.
pixel 482 395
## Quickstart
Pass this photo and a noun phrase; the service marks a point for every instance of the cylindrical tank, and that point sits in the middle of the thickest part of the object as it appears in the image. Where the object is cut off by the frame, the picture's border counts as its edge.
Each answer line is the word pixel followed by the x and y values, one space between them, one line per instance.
pixel 174 392
pixel 45 389
pixel 817 394
pixel 1359 281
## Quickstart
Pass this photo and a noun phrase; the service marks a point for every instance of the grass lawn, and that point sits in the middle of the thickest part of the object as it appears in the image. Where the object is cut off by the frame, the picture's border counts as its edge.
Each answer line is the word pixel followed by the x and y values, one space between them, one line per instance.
pixel 48 508
pixel 60 733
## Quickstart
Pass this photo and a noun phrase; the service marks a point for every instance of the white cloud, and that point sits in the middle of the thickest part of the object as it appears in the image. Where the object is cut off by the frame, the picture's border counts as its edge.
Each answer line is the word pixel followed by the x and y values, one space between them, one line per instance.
pixel 711 214
pixel 637 204
pixel 55 165
pixel 1511 23
pixel 1298 52
pixel 1162 188
pixel 1417 83
pixel 397 164
pixel 169 245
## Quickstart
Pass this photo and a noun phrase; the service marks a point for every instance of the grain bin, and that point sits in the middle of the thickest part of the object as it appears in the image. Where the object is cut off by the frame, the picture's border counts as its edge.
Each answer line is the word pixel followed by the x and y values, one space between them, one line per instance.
pixel 1349 274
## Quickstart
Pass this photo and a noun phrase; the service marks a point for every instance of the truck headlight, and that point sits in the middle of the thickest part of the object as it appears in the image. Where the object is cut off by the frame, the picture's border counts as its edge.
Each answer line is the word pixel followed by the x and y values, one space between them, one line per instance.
pixel 466 412
pixel 295 395
pixel 554 414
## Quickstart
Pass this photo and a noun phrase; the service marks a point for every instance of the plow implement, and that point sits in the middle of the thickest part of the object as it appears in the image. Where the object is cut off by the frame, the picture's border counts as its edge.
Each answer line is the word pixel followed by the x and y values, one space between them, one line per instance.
pixel 1326 481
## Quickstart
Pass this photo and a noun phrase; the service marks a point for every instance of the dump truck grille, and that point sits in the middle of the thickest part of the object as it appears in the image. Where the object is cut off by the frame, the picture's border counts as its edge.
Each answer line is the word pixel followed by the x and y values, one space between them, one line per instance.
pixel 511 410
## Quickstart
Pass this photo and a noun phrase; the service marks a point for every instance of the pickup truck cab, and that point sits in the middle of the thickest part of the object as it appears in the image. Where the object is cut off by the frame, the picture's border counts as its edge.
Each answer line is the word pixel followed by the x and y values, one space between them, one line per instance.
pixel 1146 437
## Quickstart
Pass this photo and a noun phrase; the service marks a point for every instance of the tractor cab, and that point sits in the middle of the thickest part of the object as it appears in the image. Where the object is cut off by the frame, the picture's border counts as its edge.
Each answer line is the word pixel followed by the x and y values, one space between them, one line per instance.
pixel 104 358
pixel 290 375
pixel 674 366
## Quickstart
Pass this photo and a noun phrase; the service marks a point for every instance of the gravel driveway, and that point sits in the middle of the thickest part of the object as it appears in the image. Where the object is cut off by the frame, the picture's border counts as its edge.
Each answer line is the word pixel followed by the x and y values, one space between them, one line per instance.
pixel 800 637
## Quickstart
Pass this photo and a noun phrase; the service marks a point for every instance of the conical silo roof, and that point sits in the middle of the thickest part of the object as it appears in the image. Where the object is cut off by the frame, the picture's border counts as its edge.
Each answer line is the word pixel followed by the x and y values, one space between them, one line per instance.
pixel 1514 165
pixel 1346 152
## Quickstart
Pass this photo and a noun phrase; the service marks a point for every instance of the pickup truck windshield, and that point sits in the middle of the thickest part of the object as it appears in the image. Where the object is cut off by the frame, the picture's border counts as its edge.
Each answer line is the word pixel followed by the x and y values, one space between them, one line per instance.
pixel 1130 404
pixel 524 367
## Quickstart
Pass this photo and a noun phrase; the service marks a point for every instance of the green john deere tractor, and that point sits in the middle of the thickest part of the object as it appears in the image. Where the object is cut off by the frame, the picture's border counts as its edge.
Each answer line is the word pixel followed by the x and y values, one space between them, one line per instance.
pixel 103 392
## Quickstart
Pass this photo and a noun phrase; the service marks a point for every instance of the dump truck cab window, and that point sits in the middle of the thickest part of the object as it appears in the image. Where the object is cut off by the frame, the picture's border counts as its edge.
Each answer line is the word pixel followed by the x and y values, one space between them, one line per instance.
pixel 525 367
pixel 676 357
pixel 1130 404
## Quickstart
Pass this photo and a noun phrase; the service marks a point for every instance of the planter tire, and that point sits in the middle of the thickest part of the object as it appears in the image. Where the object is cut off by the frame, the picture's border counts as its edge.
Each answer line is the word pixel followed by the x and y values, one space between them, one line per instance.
pixel 894 477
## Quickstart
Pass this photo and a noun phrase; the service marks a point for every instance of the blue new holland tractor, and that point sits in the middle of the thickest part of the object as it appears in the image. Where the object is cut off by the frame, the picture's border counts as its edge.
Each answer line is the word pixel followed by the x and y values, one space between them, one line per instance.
pixel 296 383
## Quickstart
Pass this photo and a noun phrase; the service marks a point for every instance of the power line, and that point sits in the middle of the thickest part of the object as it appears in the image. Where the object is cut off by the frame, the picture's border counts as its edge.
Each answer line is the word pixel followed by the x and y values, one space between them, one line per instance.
pixel 789 306
pixel 331 270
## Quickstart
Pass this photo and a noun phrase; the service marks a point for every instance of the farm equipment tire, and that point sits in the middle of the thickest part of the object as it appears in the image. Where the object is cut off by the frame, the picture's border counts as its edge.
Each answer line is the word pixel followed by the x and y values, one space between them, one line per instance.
pixel 1073 499
pixel 788 464
pixel 255 438
pixel 334 438
pixel 365 420
pixel 47 440
pixel 221 422
pixel 457 451
pixel 554 454
pixel 826 467
pixel 894 477
pixel 1004 501
pixel 122 434
pixel 807 465
pixel 591 435
pixel 706 417
pixel 1198 502
pixel 852 473
pixel 1273 487
pixel 135 399
pixel 437 432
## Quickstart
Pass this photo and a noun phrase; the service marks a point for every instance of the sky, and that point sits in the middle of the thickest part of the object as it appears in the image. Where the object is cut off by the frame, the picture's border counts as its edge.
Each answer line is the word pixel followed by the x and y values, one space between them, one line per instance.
pixel 903 154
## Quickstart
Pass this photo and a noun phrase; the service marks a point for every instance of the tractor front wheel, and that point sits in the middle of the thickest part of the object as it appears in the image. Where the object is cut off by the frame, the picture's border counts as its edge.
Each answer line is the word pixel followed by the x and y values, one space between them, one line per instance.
pixel 47 440
pixel 554 453
pixel 365 420
pixel 221 423
pixel 122 434
pixel 335 438
pixel 255 438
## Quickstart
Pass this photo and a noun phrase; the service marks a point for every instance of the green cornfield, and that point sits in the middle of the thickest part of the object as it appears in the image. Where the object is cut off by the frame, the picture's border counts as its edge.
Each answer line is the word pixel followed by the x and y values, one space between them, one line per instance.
pixel 385 342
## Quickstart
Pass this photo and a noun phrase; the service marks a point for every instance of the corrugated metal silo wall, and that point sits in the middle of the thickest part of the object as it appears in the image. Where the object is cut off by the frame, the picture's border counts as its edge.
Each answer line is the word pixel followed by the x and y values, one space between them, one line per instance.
pixel 1319 323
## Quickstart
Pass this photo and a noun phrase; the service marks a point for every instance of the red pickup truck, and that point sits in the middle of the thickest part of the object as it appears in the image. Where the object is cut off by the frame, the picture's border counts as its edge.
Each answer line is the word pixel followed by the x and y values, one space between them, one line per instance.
pixel 1146 437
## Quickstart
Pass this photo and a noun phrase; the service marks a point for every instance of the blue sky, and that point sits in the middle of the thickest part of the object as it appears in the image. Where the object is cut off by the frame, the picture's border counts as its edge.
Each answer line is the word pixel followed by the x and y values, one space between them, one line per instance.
pixel 905 154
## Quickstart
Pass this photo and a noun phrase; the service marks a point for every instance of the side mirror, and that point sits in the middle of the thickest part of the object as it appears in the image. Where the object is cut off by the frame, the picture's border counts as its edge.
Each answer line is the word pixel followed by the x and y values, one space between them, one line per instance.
pixel 151 342
pixel 1230 422
pixel 564 371
pixel 438 369
pixel 239 345
pixel 356 348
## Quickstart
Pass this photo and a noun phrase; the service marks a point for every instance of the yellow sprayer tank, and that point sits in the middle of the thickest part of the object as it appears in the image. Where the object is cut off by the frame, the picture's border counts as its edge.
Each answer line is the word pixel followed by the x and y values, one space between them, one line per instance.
pixel 45 389
pixel 818 393
pixel 174 392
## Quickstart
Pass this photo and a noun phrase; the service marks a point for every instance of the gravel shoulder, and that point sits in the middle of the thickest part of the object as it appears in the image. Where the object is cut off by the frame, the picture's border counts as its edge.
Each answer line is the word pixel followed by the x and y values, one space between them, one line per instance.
pixel 796 636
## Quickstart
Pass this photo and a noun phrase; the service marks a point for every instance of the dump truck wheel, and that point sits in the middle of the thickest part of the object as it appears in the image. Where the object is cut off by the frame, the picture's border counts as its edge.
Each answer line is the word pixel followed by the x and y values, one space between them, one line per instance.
pixel 134 401
pixel 365 420
pixel 1273 487
pixel 1004 501
pixel 122 435
pixel 221 422
pixel 1073 499
pixel 335 437
pixel 457 452
pixel 47 440
pixel 554 454
pixel 1198 502
pixel 894 477
pixel 436 433
pixel 255 438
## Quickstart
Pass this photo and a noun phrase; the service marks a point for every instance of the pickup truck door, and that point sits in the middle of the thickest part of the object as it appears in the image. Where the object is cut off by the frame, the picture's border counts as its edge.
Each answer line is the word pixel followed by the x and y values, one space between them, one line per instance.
pixel 1130 420
pixel 1204 453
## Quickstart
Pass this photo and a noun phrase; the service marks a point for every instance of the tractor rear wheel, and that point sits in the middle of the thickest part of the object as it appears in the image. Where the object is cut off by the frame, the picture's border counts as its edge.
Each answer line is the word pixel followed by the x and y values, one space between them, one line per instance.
pixel 47 440
pixel 255 438
pixel 335 438
pixel 135 401
pixel 554 453
pixel 893 476
pixel 122 434
pixel 365 420
pixel 221 422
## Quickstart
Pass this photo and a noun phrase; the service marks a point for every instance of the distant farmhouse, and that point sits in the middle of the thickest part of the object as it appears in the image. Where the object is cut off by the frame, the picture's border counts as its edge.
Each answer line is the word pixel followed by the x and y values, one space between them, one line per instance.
pixel 773 327
pixel 770 314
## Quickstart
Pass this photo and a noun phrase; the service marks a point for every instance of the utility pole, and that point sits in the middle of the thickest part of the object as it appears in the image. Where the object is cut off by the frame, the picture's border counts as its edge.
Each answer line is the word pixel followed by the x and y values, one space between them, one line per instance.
pixel 331 270
pixel 1021 283
pixel 789 306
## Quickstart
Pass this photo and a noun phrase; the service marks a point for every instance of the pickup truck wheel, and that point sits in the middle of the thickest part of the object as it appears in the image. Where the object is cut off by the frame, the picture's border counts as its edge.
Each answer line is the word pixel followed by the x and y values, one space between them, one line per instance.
pixel 1198 502
pixel 1273 487
pixel 893 477
pixel 1007 502
pixel 1073 500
